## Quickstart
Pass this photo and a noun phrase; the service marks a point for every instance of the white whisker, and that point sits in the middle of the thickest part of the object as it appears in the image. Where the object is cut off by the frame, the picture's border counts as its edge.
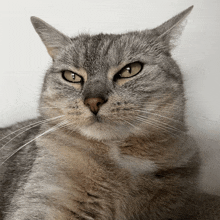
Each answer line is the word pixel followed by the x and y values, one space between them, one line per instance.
pixel 54 106
pixel 146 104
pixel 141 133
pixel 112 127
pixel 25 131
pixel 162 116
pixel 36 123
pixel 50 107
pixel 164 125
pixel 156 126
pixel 129 123
pixel 17 150
pixel 132 125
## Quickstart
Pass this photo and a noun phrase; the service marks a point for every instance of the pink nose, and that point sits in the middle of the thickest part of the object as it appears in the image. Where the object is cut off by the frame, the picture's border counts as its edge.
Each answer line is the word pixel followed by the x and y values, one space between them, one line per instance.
pixel 94 104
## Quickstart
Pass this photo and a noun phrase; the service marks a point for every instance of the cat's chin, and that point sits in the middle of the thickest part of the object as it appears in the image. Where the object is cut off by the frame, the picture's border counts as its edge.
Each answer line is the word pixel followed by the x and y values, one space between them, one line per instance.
pixel 100 131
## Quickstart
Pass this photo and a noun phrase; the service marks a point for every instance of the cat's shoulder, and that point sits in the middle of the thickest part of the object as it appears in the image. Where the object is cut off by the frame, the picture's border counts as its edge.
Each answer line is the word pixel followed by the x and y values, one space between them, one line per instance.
pixel 16 127
pixel 14 137
pixel 202 206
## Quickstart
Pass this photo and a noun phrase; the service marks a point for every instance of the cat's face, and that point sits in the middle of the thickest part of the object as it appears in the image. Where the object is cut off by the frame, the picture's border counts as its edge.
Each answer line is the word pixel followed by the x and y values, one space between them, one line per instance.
pixel 113 86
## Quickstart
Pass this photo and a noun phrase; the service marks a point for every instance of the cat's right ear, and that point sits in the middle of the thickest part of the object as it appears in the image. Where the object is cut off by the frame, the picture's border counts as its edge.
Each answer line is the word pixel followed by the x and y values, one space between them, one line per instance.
pixel 53 39
pixel 170 31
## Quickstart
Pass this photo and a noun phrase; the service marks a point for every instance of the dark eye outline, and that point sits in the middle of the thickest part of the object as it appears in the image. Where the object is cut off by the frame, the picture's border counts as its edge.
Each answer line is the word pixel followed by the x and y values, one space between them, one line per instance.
pixel 118 74
pixel 63 72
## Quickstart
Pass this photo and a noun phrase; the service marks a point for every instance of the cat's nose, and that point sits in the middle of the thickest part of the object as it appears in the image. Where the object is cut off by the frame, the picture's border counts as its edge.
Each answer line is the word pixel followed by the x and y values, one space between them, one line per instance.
pixel 94 104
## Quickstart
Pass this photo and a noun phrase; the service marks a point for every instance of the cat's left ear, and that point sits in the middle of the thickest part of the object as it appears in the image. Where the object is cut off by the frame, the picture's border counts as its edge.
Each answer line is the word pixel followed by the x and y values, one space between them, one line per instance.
pixel 53 39
pixel 172 29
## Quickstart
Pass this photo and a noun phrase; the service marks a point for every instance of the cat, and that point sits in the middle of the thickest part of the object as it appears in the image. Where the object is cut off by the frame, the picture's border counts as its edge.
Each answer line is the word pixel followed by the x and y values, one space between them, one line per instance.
pixel 111 141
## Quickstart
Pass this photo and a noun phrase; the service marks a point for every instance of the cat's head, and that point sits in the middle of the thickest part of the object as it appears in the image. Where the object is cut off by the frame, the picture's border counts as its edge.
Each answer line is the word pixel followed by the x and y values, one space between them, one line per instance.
pixel 111 86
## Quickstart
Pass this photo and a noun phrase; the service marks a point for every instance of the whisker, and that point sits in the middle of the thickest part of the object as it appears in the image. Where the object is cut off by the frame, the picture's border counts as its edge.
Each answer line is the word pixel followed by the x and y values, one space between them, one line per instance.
pixel 149 142
pixel 165 125
pixel 152 109
pixel 49 130
pixel 157 126
pixel 129 123
pixel 49 107
pixel 147 122
pixel 148 112
pixel 35 123
pixel 112 127
pixel 132 125
pixel 159 105
pixel 175 107
pixel 54 106
pixel 153 102
pixel 27 130
pixel 70 130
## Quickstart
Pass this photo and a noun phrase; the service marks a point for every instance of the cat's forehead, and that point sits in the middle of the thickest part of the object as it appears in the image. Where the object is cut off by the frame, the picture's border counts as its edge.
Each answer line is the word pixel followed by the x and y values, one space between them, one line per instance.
pixel 98 53
pixel 94 52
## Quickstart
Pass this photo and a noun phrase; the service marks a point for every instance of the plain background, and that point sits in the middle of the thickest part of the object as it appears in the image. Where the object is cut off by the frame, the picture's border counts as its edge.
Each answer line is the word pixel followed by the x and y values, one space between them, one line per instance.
pixel 24 59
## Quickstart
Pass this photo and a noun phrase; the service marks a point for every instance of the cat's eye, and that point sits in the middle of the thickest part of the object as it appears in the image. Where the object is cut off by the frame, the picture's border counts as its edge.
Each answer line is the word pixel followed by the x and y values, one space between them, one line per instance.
pixel 72 77
pixel 130 70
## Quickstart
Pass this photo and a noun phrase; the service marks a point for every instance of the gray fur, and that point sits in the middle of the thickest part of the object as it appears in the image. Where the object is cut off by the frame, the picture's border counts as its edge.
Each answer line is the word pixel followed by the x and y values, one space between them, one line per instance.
pixel 131 161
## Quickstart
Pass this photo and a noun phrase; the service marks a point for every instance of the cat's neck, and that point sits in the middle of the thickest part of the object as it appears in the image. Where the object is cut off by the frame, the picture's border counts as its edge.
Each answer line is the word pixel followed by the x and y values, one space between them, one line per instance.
pixel 166 151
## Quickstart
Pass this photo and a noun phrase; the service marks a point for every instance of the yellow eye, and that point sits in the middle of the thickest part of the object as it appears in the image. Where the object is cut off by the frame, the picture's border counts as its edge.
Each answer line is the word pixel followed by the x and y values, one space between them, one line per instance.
pixel 130 70
pixel 72 77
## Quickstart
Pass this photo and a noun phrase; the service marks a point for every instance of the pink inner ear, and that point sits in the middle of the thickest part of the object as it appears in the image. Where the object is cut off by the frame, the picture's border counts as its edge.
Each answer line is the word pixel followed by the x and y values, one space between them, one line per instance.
pixel 53 39
pixel 51 51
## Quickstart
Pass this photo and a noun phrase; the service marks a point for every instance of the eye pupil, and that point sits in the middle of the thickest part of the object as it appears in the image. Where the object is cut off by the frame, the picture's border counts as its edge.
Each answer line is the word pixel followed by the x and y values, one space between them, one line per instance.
pixel 72 77
pixel 128 69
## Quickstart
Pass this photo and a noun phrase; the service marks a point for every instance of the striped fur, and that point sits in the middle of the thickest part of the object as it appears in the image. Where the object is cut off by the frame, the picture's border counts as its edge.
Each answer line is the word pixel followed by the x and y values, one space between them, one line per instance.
pixel 133 160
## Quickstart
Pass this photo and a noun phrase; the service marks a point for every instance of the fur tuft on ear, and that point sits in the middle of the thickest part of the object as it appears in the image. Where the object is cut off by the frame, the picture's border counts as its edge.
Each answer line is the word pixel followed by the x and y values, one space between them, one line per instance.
pixel 52 38
pixel 170 31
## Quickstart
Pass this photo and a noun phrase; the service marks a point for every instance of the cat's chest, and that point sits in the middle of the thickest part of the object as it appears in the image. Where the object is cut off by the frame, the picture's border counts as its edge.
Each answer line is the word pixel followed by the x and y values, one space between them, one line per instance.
pixel 133 164
pixel 76 170
pixel 92 157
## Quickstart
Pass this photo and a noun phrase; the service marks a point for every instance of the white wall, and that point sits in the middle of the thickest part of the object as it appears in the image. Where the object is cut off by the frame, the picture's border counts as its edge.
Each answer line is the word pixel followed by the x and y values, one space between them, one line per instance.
pixel 24 59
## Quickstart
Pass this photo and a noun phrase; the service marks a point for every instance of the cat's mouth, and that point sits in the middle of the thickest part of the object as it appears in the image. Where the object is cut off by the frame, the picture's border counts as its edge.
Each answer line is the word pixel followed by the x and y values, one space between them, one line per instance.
pixel 95 119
